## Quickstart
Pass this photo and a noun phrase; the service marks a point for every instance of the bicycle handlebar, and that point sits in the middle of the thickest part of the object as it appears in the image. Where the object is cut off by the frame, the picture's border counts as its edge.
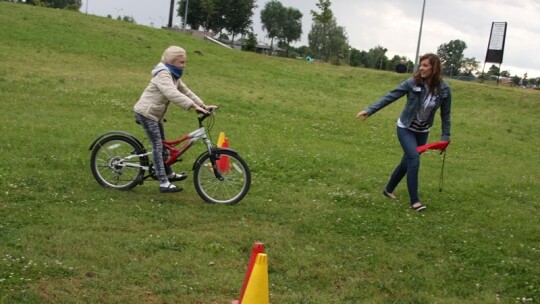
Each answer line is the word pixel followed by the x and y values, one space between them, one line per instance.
pixel 205 115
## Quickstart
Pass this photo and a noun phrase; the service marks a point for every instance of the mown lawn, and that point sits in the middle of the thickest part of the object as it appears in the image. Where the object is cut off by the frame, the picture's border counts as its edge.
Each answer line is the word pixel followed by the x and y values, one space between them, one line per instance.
pixel 315 201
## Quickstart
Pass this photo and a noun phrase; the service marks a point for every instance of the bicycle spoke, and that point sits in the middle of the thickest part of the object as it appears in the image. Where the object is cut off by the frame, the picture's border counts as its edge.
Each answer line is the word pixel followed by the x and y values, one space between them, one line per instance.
pixel 231 189
pixel 113 165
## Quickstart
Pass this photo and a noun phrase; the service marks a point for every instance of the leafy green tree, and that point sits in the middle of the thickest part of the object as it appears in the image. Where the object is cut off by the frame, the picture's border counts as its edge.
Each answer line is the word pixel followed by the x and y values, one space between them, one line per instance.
pixel 217 18
pixel 482 76
pixel 207 14
pixel 128 19
pixel 65 4
pixel 237 16
pixel 493 70
pixel 199 13
pixel 303 51
pixel 282 23
pixel 321 24
pixel 451 55
pixel 328 40
pixel 316 40
pixel 358 58
pixel 250 43
pixel 292 27
pixel 391 64
pixel 272 19
pixel 62 4
pixel 326 14
pixel 454 63
pixel 338 43
pixel 233 16
pixel 223 36
pixel 516 80
pixel 468 66
pixel 376 58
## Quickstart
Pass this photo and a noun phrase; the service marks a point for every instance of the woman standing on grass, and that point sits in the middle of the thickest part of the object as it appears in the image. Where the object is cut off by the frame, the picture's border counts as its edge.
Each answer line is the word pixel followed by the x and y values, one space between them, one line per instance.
pixel 164 88
pixel 426 92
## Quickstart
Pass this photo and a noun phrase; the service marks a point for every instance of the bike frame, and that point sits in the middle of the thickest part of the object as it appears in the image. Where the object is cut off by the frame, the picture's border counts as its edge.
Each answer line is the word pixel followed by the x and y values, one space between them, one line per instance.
pixel 174 152
pixel 193 137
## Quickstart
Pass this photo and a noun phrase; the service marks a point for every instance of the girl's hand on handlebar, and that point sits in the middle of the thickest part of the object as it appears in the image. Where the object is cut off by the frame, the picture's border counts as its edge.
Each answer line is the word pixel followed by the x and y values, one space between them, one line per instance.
pixel 211 107
pixel 200 109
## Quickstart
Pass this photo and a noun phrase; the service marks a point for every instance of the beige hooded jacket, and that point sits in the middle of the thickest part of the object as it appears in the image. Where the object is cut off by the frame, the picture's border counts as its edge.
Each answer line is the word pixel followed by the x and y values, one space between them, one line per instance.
pixel 161 91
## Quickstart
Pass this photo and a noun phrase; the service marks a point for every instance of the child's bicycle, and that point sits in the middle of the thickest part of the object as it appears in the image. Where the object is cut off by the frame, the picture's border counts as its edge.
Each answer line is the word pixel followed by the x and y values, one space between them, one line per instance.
pixel 120 161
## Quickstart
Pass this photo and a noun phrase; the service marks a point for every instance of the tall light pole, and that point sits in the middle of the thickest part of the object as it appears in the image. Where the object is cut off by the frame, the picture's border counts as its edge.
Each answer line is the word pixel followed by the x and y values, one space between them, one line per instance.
pixel 171 11
pixel 185 15
pixel 419 38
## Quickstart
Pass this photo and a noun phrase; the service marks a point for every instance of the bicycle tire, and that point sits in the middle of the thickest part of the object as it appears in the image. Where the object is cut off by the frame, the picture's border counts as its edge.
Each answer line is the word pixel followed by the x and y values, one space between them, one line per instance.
pixel 108 163
pixel 236 179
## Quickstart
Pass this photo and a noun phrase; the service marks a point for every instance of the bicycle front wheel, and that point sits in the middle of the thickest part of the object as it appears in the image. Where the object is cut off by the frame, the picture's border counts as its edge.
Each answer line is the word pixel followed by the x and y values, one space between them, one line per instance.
pixel 229 190
pixel 114 164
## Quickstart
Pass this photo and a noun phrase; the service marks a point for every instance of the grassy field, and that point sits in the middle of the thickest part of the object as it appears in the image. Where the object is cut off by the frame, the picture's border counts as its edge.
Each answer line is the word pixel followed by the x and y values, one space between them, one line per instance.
pixel 315 201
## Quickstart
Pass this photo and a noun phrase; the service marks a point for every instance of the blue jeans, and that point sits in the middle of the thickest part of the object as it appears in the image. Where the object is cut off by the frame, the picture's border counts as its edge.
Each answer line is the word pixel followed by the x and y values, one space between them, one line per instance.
pixel 410 162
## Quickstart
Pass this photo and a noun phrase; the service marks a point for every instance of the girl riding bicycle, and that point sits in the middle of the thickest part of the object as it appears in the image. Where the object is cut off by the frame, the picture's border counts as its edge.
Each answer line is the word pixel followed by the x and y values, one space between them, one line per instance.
pixel 165 87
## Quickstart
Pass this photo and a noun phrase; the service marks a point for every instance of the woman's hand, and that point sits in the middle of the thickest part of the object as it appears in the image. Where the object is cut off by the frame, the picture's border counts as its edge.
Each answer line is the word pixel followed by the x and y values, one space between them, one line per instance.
pixel 363 114
pixel 211 107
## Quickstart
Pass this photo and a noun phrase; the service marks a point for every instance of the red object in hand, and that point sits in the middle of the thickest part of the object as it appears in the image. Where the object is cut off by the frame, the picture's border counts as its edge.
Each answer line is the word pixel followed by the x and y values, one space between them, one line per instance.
pixel 440 145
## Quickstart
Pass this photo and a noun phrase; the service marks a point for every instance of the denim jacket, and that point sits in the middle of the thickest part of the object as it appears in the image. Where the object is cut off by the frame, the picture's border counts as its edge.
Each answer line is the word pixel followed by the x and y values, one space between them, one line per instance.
pixel 415 95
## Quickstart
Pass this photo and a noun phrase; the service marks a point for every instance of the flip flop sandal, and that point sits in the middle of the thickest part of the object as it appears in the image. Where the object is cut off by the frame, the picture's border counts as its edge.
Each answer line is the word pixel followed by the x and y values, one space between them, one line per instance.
pixel 389 195
pixel 418 207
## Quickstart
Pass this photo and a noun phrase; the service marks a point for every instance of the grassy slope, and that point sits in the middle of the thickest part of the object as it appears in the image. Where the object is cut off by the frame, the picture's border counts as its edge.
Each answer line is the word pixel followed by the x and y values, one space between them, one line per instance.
pixel 315 203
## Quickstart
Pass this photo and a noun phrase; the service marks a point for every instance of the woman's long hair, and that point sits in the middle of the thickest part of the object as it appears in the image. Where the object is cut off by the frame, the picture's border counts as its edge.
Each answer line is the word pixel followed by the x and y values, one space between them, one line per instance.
pixel 436 76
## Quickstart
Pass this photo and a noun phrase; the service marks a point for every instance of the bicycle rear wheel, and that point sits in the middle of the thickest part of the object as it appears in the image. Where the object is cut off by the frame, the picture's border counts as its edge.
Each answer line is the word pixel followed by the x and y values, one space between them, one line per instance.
pixel 236 178
pixel 113 163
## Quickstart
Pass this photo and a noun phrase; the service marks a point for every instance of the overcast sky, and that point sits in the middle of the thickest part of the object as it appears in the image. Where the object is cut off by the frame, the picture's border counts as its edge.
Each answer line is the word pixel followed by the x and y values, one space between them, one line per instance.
pixel 393 24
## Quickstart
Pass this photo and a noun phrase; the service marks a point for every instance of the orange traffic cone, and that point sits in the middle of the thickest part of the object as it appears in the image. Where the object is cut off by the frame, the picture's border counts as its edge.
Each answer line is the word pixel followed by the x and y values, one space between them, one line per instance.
pixel 223 162
pixel 221 139
pixel 257 287
pixel 258 247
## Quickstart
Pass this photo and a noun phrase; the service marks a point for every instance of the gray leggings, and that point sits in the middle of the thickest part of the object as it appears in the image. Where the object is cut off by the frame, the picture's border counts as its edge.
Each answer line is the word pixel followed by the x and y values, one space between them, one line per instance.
pixel 155 133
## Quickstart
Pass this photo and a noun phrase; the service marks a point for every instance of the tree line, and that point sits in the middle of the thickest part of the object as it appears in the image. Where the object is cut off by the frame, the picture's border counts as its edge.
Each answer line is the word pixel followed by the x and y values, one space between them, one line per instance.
pixel 327 40
pixel 61 4
pixel 233 16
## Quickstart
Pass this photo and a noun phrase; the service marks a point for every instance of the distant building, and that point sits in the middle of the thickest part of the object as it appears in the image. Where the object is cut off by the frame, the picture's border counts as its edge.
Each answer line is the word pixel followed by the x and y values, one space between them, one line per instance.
pixel 260 48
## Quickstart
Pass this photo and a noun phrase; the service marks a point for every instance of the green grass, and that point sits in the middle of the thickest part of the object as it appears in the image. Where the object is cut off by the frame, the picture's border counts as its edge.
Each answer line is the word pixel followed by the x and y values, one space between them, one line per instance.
pixel 315 201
